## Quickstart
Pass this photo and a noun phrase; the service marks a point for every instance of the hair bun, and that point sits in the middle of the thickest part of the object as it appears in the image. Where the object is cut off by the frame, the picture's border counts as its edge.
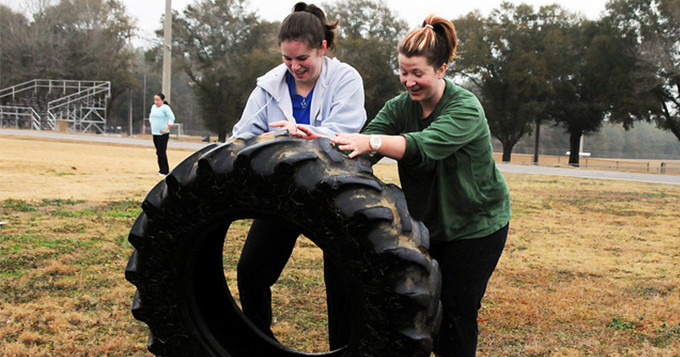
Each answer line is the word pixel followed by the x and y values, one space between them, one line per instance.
pixel 301 6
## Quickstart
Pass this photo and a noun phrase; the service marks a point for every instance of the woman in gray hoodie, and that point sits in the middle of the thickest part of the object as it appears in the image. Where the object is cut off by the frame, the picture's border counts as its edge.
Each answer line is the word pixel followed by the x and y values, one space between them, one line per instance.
pixel 308 88
pixel 324 96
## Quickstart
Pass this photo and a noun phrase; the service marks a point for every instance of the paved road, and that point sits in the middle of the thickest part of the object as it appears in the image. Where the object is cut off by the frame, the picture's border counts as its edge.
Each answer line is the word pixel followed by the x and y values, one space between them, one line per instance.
pixel 511 168
pixel 106 138
pixel 591 174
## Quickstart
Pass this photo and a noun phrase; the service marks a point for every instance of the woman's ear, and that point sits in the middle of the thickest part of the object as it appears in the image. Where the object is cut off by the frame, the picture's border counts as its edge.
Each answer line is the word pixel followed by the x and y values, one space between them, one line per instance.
pixel 324 45
pixel 441 71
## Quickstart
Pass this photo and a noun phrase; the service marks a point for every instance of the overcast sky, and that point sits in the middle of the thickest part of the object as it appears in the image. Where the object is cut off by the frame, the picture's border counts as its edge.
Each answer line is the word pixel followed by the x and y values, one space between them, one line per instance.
pixel 148 12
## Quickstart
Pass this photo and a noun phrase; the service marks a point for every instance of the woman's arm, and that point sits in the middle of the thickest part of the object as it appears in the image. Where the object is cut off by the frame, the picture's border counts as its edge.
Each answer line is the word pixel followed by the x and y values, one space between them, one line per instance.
pixel 171 119
pixel 392 146
pixel 344 105
pixel 163 131
pixel 254 117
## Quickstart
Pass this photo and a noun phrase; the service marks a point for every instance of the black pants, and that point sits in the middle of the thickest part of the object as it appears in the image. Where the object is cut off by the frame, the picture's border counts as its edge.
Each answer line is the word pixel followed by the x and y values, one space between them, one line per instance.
pixel 161 144
pixel 466 267
pixel 268 247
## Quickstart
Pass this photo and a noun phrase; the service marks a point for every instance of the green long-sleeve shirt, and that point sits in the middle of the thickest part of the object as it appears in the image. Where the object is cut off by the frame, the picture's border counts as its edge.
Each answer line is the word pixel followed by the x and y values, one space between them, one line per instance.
pixel 448 173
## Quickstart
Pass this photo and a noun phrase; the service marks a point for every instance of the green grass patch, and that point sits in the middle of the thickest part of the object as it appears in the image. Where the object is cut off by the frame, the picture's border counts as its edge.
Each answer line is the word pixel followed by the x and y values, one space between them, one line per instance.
pixel 65 244
pixel 122 209
pixel 621 324
pixel 59 202
pixel 17 205
pixel 73 214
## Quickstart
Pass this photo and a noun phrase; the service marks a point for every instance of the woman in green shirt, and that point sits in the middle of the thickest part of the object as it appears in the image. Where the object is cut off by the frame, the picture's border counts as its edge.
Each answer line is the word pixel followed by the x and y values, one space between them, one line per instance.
pixel 439 135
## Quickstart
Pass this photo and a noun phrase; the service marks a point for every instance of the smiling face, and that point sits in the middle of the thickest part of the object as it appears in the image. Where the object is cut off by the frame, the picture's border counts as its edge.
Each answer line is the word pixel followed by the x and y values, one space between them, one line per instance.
pixel 303 63
pixel 423 82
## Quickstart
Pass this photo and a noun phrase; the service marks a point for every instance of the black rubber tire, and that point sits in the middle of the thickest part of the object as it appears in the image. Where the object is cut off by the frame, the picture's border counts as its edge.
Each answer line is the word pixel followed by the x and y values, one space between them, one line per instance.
pixel 360 222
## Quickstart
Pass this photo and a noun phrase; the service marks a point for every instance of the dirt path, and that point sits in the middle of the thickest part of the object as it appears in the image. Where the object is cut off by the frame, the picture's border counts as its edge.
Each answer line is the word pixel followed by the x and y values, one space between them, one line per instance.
pixel 33 169
pixel 86 171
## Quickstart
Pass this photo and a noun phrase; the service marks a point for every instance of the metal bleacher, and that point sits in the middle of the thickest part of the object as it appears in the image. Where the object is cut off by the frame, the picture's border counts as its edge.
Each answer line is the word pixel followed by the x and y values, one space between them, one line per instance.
pixel 51 104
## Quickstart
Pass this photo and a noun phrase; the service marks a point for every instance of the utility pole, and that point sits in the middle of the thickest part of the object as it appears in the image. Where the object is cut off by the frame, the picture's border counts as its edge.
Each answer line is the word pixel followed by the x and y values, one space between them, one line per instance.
pixel 167 50
pixel 130 112
pixel 537 141
pixel 144 107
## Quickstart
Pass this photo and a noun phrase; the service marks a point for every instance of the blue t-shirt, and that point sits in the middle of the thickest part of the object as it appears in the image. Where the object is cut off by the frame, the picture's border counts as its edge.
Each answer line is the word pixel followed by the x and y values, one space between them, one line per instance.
pixel 160 118
pixel 301 105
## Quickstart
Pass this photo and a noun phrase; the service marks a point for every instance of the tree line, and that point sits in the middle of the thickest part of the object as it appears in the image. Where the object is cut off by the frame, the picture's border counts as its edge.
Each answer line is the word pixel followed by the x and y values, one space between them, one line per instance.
pixel 530 67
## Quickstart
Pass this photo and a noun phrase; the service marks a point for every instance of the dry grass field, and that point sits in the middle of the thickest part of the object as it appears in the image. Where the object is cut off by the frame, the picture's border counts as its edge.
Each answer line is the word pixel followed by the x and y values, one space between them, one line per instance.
pixel 591 267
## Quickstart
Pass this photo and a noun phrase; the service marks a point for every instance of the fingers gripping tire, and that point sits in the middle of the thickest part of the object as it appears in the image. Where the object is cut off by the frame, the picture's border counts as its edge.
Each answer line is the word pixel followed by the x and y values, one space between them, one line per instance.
pixel 357 220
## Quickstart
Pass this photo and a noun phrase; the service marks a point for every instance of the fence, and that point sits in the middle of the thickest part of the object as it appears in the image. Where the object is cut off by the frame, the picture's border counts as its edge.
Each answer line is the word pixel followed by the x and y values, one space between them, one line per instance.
pixel 670 167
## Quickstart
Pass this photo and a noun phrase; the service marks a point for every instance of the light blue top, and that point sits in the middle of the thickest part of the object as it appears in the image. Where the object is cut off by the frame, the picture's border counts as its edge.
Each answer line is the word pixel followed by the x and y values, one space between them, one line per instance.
pixel 338 105
pixel 160 118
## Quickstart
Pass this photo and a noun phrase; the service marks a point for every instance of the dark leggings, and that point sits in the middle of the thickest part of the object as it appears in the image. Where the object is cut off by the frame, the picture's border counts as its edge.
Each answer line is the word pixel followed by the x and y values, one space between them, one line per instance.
pixel 161 144
pixel 268 247
pixel 466 267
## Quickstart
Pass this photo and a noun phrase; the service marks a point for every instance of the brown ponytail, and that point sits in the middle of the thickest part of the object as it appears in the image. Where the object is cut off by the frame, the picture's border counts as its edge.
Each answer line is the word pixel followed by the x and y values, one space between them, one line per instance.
pixel 308 23
pixel 436 40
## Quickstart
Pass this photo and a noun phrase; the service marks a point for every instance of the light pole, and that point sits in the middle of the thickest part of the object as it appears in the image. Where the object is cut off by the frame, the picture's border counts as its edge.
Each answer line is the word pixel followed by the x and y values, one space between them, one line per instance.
pixel 129 111
pixel 144 107
pixel 167 50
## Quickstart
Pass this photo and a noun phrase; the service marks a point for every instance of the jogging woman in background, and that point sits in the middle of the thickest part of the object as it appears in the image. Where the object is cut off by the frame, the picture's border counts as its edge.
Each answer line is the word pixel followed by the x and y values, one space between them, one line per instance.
pixel 161 119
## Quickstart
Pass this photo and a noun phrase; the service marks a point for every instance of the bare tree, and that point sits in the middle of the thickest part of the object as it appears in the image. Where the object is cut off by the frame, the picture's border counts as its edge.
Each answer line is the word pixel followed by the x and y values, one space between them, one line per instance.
pixel 223 47
pixel 368 35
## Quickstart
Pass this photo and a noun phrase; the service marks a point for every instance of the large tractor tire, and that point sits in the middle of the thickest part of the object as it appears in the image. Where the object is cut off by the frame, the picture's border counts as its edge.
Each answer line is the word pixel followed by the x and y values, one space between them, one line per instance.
pixel 362 224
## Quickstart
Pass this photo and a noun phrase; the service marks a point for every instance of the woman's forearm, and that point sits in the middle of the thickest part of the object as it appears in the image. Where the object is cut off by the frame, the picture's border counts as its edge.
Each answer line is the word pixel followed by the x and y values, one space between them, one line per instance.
pixel 392 146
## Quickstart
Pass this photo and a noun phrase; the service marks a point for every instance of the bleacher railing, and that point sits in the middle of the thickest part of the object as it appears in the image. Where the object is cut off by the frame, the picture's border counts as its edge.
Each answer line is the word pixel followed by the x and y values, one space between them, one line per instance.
pixel 19 117
pixel 81 104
